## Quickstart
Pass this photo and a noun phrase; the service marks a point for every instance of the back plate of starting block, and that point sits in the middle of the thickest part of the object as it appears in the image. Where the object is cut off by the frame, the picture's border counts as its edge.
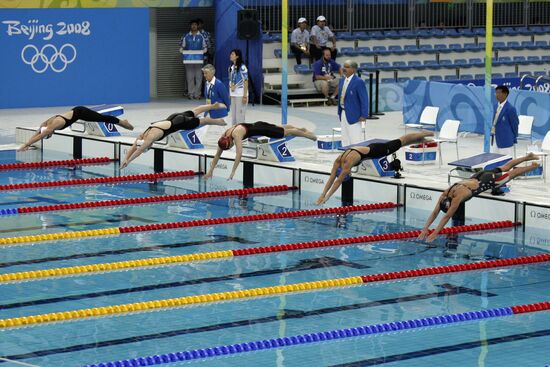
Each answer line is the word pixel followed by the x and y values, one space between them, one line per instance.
pixel 375 167
pixel 99 128
pixel 274 150
pixel 187 139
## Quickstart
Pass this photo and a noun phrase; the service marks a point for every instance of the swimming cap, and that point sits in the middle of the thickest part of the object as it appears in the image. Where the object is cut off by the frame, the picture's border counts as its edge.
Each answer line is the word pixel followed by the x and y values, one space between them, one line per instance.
pixel 445 204
pixel 224 142
pixel 339 170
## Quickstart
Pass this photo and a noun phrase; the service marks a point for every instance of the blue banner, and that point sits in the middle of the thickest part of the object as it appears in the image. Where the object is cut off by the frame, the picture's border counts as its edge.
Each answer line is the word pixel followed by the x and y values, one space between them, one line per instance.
pixel 64 57
pixel 466 104
pixel 529 83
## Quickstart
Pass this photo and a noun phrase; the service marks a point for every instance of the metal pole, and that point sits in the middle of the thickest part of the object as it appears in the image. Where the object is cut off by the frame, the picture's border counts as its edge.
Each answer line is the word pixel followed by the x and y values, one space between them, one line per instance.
pixel 377 95
pixel 488 71
pixel 284 76
pixel 371 115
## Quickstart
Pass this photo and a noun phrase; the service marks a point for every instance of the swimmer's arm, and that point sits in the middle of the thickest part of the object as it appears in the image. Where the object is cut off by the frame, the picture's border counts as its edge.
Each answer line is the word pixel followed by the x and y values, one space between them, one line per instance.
pixel 323 198
pixel 129 153
pixel 36 137
pixel 431 218
pixel 213 164
pixel 238 156
pixel 135 152
pixel 452 209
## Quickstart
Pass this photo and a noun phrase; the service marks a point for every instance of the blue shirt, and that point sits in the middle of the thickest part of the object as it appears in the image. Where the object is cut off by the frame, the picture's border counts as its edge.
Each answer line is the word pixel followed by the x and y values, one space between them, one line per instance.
pixel 193 42
pixel 320 67
pixel 237 79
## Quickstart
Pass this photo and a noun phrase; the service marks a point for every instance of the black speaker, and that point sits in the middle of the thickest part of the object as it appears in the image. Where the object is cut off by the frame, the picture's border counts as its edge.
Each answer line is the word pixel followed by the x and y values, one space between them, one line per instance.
pixel 248 26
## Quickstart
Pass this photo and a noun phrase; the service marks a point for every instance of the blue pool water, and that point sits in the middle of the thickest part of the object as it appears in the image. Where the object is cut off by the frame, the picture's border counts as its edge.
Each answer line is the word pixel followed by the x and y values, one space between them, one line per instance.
pixel 519 340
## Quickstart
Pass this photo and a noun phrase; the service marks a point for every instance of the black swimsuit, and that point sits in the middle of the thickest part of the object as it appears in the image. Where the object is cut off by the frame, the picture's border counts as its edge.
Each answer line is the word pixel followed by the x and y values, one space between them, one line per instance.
pixel 86 114
pixel 179 121
pixel 488 180
pixel 377 150
pixel 260 128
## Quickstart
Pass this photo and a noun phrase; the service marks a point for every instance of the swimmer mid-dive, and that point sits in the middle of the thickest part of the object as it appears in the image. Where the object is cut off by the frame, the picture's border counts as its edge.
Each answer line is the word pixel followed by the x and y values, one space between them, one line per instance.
pixel 354 156
pixel 460 192
pixel 63 121
pixel 236 134
pixel 175 122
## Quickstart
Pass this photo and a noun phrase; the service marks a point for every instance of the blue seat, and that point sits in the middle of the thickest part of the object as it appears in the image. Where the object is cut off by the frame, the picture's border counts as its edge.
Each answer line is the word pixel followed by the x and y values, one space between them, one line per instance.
pixel 504 60
pixel 412 49
pixel 519 60
pixel 407 33
pixel 522 73
pixel 479 76
pixel 481 46
pixel 476 62
pixel 509 31
pixel 451 32
pixel 466 77
pixel 346 50
pixel 479 31
pixel 438 33
pixel 432 64
pixel 427 49
pixel 396 50
pixel 435 78
pixel 540 73
pixel 541 44
pixel 388 80
pixel 267 38
pixel 523 31
pixel 416 65
pixel 384 65
pixel 278 53
pixel 462 63
pixel 400 65
pixel 466 32
pixel 470 47
pixel 423 33
pixel 366 66
pixel 546 28
pixel 403 79
pixel 376 35
pixel 364 51
pixel 528 44
pixel 447 64
pixel 537 30
pixel 545 59
pixel 534 60
pixel 511 75
pixel 420 78
pixel 361 35
pixel 302 69
pixel 276 37
pixel 391 34
pixel 456 47
pixel 380 50
pixel 441 48
pixel 497 76
pixel 450 77
pixel 514 45
pixel 497 31
pixel 345 36
pixel 500 46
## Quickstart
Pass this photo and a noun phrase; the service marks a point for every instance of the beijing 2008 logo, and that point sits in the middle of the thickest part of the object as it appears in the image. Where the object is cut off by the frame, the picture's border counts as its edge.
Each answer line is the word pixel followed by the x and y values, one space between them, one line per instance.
pixel 48 57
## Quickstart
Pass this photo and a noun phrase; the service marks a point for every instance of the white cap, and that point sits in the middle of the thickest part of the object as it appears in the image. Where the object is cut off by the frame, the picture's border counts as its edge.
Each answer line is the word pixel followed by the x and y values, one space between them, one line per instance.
pixel 321 18
pixel 302 20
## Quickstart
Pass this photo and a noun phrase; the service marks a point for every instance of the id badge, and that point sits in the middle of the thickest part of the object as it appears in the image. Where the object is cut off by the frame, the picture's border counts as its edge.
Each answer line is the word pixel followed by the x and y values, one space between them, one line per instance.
pixel 208 101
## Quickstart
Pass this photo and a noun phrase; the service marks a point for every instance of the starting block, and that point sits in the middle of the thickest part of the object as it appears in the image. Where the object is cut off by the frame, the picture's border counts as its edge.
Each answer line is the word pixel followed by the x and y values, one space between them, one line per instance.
pixel 266 149
pixel 379 167
pixel 466 167
pixel 424 153
pixel 187 139
pixel 100 128
pixel 329 143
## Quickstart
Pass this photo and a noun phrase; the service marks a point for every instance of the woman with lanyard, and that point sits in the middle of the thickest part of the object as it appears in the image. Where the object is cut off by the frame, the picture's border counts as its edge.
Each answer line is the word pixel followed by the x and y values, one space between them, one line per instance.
pixel 238 87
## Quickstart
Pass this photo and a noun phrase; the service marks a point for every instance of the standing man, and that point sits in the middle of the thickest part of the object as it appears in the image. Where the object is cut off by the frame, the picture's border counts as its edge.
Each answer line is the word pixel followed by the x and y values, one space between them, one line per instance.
pixel 193 47
pixel 299 41
pixel 324 79
pixel 209 54
pixel 215 91
pixel 320 35
pixel 504 132
pixel 353 104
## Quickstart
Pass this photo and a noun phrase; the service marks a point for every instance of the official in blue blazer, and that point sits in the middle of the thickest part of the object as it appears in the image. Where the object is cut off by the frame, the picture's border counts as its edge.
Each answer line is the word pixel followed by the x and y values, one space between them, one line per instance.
pixel 504 132
pixel 215 91
pixel 353 104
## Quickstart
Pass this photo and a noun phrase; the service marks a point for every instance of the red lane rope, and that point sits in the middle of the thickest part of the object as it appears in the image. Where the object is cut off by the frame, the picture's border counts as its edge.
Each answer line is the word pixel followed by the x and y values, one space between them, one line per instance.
pixel 370 238
pixel 99 180
pixel 156 199
pixel 257 217
pixel 69 162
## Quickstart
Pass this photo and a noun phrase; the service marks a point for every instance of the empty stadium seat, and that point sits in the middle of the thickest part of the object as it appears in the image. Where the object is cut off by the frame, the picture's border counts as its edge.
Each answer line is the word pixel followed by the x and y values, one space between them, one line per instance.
pixel 500 46
pixel 435 78
pixel 417 65
pixel 466 77
pixel 476 61
pixel 519 60
pixel 511 75
pixel 302 69
pixel 395 49
pixel 450 77
pixel 534 60
pixel 432 64
pixel 441 48
pixel 412 49
pixel 514 45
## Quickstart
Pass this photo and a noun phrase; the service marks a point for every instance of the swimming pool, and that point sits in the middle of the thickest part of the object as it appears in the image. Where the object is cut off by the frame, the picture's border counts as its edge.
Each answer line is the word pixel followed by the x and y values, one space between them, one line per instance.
pixel 504 340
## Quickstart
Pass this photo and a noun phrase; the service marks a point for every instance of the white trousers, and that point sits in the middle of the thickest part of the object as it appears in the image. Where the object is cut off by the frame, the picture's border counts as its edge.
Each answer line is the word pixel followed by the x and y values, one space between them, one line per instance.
pixel 506 151
pixel 238 110
pixel 351 134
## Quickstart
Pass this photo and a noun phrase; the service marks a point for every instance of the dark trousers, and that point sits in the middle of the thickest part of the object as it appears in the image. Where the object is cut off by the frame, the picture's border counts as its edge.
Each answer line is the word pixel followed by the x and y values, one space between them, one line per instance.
pixel 298 52
pixel 317 53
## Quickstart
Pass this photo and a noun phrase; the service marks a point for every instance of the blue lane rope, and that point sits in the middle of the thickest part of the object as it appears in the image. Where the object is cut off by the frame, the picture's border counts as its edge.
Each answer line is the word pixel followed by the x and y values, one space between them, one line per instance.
pixel 10 211
pixel 306 338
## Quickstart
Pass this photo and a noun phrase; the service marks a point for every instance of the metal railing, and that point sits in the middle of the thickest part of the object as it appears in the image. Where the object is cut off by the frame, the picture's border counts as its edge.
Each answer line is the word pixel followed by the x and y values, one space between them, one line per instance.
pixel 360 15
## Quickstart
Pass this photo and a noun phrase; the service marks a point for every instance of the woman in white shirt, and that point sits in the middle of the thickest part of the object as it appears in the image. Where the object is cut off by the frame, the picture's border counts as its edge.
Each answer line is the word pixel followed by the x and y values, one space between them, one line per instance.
pixel 238 87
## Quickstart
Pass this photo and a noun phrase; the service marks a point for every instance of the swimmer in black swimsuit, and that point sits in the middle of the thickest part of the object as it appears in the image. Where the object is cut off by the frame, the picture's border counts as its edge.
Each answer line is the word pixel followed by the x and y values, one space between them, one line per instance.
pixel 240 132
pixel 355 155
pixel 60 122
pixel 460 192
pixel 175 122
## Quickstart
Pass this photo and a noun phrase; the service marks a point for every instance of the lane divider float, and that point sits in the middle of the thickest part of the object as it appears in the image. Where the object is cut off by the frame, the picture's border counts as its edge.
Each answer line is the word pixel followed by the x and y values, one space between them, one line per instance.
pixel 64 163
pixel 148 200
pixel 160 304
pixel 322 336
pixel 195 223
pixel 99 180
pixel 228 254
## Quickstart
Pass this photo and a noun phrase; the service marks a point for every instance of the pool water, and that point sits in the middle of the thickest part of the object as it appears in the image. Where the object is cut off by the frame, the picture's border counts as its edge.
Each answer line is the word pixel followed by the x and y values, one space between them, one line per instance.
pixel 518 340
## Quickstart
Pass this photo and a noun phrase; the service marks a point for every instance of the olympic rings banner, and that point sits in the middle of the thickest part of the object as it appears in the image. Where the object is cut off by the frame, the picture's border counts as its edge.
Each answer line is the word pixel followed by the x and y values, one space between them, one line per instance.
pixel 66 57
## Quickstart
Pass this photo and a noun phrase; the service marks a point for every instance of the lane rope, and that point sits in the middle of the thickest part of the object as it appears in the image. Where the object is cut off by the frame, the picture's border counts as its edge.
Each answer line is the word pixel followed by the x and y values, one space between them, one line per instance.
pixel 228 254
pixel 195 223
pixel 322 336
pixel 263 291
pixel 99 180
pixel 63 163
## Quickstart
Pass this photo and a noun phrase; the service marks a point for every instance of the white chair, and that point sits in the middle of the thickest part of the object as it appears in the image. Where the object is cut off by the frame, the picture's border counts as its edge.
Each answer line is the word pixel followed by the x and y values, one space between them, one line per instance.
pixel 544 151
pixel 428 119
pixel 448 134
pixel 525 129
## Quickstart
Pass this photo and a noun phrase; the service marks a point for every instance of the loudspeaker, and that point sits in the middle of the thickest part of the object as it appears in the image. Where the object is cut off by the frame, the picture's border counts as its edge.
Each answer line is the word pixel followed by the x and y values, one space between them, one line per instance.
pixel 248 26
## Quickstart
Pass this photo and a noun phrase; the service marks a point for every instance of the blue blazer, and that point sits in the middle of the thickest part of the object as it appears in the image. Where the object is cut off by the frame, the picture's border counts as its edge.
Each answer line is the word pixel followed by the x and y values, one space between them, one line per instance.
pixel 506 127
pixel 219 93
pixel 356 100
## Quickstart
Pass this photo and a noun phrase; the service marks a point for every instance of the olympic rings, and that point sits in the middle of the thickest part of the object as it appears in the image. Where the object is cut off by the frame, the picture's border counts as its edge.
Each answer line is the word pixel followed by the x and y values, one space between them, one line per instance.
pixel 47 57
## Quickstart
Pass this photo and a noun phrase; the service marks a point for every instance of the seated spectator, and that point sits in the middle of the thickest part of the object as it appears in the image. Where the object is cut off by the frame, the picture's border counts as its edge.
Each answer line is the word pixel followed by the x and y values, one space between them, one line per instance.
pixel 299 41
pixel 320 35
pixel 324 79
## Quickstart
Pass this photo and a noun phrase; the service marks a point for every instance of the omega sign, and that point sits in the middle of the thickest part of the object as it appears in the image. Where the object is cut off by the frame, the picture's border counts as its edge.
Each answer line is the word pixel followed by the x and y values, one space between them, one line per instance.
pixel 49 56
pixel 419 196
